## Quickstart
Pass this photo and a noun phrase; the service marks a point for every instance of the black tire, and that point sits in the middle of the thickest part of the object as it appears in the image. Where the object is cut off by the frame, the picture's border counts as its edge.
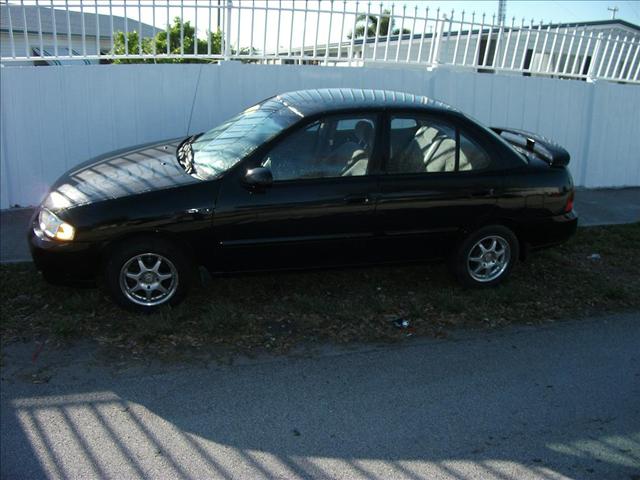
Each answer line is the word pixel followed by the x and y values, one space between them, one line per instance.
pixel 464 267
pixel 174 274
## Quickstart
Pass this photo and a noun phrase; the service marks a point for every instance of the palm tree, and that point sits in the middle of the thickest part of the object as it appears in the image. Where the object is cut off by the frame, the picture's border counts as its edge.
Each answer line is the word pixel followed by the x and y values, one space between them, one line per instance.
pixel 361 22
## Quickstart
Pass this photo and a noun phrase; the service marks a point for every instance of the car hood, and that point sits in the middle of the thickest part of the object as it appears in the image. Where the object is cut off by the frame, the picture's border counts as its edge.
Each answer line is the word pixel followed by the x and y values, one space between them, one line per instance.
pixel 121 173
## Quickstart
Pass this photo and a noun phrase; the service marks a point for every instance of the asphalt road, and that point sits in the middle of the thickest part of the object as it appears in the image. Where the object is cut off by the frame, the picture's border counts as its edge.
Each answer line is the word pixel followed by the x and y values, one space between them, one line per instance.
pixel 557 401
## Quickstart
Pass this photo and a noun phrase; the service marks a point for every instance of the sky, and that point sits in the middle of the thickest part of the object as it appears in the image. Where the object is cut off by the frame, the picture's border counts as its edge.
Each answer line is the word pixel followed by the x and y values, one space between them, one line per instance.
pixel 548 11
pixel 554 11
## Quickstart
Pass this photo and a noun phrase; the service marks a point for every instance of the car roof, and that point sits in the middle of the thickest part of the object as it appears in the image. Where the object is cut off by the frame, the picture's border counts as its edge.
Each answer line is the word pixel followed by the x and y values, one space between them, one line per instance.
pixel 315 101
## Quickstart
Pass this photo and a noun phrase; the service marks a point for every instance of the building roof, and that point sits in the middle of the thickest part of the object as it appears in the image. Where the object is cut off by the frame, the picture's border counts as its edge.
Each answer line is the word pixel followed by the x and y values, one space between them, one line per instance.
pixel 310 102
pixel 74 21
pixel 597 23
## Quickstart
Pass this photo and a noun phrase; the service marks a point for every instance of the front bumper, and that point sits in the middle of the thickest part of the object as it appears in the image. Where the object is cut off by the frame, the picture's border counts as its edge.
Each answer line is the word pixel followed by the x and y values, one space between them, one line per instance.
pixel 63 263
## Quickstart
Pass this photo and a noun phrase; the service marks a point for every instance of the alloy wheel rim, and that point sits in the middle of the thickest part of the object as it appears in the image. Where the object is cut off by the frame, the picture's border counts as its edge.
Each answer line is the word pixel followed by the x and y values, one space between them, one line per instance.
pixel 488 258
pixel 148 279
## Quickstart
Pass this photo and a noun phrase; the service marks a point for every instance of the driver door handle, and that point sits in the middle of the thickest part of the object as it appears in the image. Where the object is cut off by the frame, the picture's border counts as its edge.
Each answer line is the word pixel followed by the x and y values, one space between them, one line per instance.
pixel 489 192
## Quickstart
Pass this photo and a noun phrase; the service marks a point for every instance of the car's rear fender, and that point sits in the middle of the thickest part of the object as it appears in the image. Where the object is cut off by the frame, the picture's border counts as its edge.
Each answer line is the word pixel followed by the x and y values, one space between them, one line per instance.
pixel 510 223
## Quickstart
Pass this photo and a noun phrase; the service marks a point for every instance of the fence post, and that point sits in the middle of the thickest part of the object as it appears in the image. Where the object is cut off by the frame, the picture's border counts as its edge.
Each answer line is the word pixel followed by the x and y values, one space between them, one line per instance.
pixel 591 74
pixel 437 37
pixel 227 31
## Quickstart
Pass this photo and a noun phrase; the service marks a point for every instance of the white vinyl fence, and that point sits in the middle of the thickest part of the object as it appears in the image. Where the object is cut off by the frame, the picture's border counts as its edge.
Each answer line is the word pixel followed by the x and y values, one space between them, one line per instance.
pixel 321 32
pixel 54 118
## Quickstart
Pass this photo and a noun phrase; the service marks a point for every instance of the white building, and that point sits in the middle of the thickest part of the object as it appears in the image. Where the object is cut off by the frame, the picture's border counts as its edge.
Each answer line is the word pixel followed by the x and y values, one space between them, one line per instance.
pixel 63 30
pixel 551 49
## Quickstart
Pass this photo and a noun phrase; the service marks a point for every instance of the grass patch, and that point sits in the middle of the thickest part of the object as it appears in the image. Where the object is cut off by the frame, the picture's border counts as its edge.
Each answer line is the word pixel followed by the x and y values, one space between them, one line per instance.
pixel 340 306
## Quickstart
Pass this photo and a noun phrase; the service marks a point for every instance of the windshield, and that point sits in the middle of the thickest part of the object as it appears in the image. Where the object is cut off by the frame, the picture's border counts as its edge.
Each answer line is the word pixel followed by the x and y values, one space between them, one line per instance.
pixel 217 150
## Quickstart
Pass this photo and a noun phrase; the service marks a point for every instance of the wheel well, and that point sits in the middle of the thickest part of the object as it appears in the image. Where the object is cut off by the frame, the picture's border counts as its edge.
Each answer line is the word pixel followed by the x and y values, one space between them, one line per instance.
pixel 511 225
pixel 110 246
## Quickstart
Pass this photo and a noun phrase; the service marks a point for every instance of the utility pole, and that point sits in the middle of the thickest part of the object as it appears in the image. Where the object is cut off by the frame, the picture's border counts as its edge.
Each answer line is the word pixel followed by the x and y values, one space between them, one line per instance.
pixel 613 11
pixel 502 11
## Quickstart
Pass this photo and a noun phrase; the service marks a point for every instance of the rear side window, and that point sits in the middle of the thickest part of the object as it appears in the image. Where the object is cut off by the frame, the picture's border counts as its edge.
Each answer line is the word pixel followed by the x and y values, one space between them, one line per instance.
pixel 426 145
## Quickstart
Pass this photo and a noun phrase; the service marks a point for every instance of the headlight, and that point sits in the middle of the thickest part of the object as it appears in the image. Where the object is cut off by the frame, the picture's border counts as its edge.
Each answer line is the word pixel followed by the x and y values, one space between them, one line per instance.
pixel 53 227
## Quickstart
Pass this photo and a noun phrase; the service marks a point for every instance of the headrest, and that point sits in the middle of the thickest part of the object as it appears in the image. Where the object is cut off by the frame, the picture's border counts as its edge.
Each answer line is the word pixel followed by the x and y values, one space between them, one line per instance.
pixel 364 131
pixel 421 131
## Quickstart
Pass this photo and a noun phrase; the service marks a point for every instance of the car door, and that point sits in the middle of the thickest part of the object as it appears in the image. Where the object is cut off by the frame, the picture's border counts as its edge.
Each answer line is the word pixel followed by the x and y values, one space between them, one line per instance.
pixel 319 210
pixel 437 180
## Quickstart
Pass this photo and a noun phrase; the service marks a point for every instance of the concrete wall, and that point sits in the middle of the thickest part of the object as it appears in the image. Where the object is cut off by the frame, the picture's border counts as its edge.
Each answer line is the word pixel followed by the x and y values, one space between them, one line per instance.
pixel 56 117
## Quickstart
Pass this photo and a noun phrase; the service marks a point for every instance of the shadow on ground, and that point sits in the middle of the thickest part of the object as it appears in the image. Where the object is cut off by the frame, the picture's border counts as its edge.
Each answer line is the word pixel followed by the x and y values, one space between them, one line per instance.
pixel 548 402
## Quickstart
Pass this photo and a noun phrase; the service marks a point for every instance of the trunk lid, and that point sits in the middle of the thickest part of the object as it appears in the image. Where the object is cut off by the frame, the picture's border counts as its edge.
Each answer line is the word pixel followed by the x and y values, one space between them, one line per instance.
pixel 531 144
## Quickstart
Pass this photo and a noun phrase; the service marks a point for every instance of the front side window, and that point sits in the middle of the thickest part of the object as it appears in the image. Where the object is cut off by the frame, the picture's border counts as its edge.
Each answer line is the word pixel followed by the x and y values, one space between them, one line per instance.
pixel 426 145
pixel 335 146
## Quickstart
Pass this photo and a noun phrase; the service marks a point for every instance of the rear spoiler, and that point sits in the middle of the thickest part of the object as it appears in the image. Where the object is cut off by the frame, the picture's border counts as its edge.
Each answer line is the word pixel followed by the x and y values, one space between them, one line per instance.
pixel 541 147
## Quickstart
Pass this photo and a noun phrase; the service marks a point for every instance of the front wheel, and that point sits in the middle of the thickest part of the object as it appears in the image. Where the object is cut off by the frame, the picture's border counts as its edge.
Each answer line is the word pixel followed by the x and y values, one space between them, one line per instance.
pixel 486 257
pixel 148 273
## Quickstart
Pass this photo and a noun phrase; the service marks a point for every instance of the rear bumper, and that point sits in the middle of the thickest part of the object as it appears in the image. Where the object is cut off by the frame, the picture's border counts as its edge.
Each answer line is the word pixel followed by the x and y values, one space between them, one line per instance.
pixel 73 263
pixel 552 230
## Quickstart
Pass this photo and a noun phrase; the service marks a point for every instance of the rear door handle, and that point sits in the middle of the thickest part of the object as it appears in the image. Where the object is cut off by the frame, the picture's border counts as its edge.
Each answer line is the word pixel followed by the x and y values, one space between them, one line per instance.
pixel 357 199
pixel 198 212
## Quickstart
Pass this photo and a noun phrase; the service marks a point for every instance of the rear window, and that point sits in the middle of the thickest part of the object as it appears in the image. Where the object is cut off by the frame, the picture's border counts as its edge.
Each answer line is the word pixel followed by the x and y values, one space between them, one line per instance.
pixel 521 154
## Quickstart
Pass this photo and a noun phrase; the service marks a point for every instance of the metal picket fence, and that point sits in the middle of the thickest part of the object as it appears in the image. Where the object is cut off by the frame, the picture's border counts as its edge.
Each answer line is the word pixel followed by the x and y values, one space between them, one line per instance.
pixel 319 32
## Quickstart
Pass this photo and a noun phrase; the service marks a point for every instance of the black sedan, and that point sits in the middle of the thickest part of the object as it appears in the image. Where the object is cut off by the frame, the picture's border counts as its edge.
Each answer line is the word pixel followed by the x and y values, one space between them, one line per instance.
pixel 313 178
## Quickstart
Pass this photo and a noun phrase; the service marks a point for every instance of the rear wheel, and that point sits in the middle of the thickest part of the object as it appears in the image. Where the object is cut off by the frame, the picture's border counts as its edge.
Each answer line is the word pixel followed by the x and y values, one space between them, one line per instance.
pixel 486 257
pixel 148 273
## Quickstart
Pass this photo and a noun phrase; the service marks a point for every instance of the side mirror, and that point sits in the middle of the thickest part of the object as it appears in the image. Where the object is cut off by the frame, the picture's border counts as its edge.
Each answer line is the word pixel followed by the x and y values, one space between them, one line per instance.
pixel 259 177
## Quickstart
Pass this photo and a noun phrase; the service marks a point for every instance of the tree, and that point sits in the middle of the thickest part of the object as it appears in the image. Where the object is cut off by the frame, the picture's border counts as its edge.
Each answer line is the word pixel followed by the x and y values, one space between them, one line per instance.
pixel 361 22
pixel 132 44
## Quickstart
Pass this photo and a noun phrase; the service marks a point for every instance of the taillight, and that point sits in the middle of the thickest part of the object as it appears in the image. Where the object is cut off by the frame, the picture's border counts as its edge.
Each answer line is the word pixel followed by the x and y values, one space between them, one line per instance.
pixel 569 205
